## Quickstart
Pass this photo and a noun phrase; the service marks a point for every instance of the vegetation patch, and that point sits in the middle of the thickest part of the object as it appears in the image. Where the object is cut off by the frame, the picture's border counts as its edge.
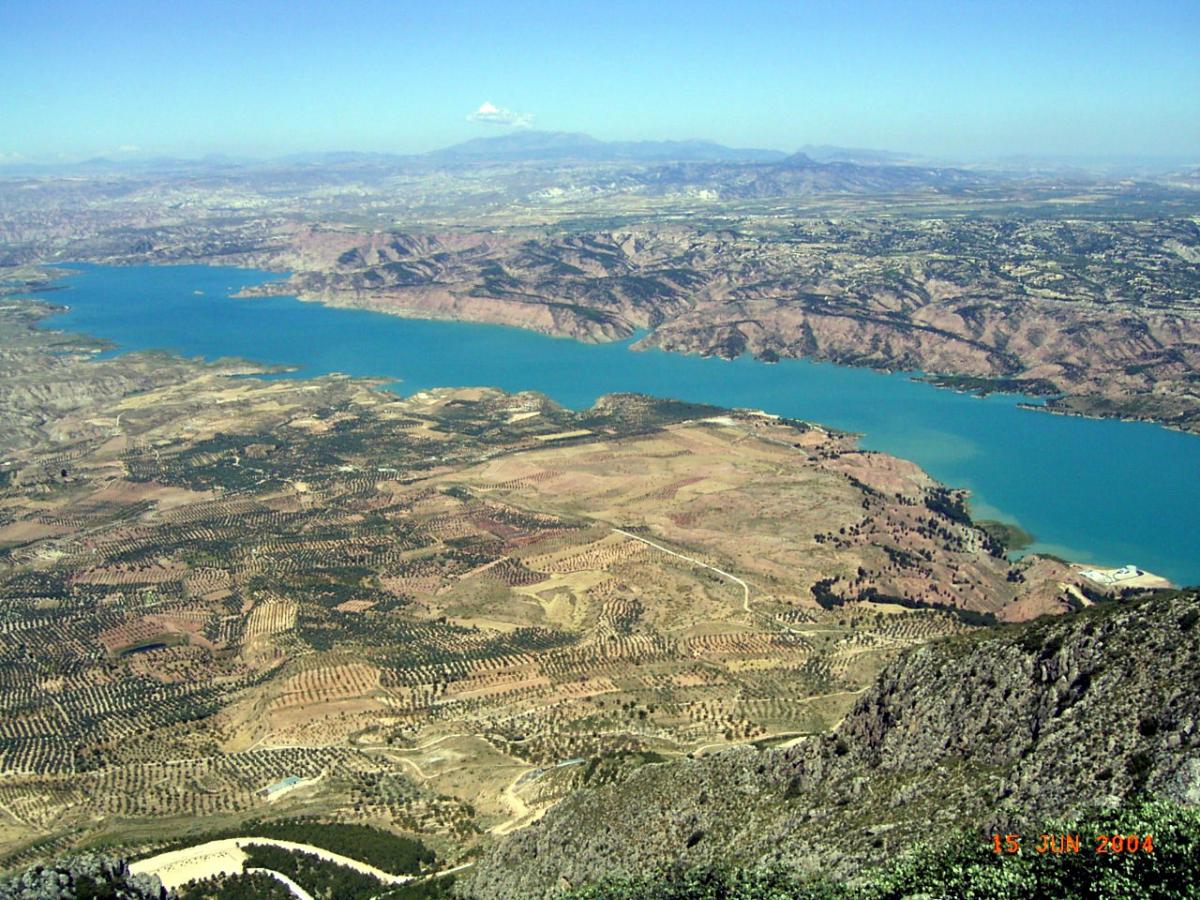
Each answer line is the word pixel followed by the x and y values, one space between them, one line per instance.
pixel 319 877
pixel 384 850
pixel 1010 537
pixel 968 867
pixel 244 886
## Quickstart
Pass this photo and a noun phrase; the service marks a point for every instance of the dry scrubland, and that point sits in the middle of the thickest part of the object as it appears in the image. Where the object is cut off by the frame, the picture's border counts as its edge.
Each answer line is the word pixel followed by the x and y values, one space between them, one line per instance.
pixel 443 613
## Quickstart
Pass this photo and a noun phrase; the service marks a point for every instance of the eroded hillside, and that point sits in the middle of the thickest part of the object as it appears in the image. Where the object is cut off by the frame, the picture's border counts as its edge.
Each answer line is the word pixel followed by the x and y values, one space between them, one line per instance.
pixel 1104 312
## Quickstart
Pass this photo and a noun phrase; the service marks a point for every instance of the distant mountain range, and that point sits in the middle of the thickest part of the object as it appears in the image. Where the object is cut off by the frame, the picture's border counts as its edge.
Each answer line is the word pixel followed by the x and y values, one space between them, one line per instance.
pixel 859 155
pixel 528 163
pixel 521 146
pixel 653 167
pixel 566 145
pixel 801 175
pixel 540 161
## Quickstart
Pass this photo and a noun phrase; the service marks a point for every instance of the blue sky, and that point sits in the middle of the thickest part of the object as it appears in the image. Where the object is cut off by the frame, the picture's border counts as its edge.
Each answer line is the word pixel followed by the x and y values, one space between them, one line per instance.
pixel 965 79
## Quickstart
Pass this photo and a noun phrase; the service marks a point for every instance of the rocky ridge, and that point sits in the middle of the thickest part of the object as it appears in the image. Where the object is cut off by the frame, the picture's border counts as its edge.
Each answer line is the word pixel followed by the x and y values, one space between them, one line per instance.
pixel 1009 730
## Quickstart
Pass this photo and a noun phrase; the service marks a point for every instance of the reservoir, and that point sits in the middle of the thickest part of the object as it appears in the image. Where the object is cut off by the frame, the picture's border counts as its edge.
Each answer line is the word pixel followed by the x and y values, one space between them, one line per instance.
pixel 1103 492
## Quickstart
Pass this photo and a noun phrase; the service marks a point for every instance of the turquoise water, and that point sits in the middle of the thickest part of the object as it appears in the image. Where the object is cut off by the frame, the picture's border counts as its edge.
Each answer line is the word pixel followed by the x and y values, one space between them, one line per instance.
pixel 1099 491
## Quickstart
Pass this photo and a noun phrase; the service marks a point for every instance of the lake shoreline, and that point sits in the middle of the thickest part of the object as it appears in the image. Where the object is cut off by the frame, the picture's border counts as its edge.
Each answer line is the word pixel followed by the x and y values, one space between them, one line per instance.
pixel 277 287
pixel 1023 469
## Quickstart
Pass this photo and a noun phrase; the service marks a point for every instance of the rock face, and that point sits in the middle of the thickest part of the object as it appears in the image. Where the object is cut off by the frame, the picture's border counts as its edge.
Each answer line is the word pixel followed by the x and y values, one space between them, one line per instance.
pixel 1010 730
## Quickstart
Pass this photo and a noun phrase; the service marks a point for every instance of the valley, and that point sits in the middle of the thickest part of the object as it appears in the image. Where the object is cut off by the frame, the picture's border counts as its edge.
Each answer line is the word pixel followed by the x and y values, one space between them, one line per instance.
pixel 437 614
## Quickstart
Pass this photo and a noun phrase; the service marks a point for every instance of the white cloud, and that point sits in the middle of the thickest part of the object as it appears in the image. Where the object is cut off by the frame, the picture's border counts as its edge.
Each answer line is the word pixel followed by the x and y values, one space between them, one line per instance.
pixel 129 148
pixel 490 114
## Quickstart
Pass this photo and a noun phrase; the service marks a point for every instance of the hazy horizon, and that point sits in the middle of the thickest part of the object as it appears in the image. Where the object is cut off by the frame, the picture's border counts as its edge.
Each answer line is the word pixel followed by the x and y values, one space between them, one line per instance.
pixel 133 158
pixel 1066 80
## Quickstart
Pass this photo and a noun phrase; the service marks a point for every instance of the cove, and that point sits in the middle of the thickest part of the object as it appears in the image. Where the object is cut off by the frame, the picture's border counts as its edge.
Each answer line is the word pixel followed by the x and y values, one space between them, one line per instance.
pixel 1105 492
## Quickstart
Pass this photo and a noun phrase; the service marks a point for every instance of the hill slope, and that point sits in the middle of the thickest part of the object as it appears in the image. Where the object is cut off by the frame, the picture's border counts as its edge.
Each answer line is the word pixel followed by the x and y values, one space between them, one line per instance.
pixel 1008 731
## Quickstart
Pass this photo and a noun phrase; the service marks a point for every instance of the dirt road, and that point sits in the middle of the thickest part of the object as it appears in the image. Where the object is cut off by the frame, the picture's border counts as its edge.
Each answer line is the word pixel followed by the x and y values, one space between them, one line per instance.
pixel 695 562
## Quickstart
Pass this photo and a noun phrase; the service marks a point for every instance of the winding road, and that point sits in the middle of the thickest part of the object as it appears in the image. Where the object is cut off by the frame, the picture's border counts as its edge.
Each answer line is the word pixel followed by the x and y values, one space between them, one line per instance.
pixel 695 562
